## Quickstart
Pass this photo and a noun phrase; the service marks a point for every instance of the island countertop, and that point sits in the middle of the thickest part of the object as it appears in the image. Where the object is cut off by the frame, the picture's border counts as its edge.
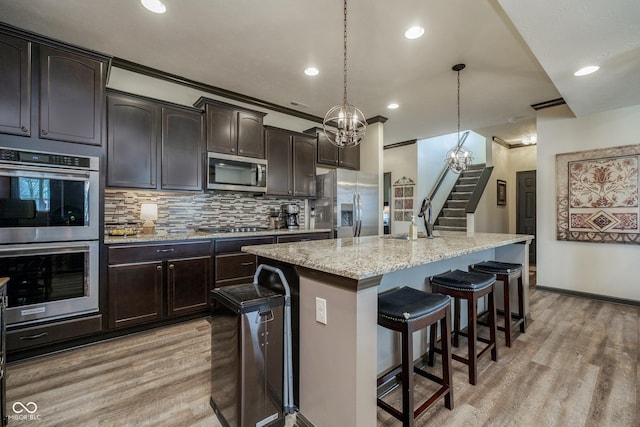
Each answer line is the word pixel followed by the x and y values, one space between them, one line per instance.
pixel 366 257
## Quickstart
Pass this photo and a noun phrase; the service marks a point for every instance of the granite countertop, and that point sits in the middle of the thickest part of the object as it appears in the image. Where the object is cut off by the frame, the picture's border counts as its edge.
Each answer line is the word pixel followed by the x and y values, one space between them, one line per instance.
pixel 199 235
pixel 364 257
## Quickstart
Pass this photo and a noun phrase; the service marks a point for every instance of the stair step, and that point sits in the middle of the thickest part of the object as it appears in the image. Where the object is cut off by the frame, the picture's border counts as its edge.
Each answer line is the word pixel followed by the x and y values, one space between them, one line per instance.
pixel 460 196
pixel 468 180
pixel 456 204
pixel 464 188
pixel 446 228
pixel 454 212
pixel 452 222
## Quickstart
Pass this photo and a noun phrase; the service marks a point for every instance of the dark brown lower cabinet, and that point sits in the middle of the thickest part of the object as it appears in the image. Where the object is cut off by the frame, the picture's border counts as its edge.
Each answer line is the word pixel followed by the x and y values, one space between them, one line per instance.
pixel 151 282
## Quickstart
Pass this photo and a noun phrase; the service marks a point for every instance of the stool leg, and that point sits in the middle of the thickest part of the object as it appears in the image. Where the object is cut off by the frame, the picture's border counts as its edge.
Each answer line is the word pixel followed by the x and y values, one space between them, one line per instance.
pixel 407 377
pixel 507 309
pixel 521 303
pixel 447 374
pixel 433 330
pixel 493 325
pixel 472 336
pixel 456 322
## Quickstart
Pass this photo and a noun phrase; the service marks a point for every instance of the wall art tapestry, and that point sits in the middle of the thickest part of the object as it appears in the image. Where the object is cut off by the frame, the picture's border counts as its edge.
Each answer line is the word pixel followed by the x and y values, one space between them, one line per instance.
pixel 597 195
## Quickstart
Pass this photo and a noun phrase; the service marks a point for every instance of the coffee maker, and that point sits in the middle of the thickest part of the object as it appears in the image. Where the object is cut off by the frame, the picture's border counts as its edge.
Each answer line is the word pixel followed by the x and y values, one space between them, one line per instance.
pixel 290 213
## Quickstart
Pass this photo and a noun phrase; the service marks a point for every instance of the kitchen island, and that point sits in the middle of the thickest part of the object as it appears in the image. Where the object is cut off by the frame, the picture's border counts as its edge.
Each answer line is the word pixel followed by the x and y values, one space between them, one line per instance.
pixel 339 361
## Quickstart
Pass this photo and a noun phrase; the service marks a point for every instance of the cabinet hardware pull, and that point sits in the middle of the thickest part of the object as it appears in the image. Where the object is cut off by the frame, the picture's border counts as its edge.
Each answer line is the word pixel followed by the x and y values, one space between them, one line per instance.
pixel 25 129
pixel 164 250
pixel 44 131
pixel 246 263
pixel 159 268
pixel 34 337
pixel 171 266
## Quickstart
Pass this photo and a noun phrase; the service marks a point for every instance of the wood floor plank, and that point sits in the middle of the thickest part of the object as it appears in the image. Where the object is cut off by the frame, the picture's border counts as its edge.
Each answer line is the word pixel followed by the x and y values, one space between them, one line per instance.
pixel 578 364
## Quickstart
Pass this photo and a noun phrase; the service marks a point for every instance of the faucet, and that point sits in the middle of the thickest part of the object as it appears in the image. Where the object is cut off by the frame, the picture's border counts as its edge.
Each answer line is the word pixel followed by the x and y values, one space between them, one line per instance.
pixel 428 223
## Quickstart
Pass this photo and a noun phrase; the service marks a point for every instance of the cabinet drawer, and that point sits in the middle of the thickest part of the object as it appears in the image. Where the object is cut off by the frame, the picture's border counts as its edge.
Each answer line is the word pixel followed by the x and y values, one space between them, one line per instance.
pixel 135 253
pixel 59 331
pixel 234 245
pixel 302 237
pixel 232 266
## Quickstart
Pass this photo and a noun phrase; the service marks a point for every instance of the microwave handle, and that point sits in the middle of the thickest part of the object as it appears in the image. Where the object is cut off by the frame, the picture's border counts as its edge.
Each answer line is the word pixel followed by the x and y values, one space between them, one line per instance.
pixel 260 173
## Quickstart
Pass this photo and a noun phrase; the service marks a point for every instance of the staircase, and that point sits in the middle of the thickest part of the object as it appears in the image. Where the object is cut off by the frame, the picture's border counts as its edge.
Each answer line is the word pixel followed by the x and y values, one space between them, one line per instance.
pixel 453 216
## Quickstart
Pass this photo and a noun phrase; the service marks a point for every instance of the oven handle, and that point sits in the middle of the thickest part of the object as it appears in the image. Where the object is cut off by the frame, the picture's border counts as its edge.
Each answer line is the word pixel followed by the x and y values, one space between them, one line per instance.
pixel 13 170
pixel 35 249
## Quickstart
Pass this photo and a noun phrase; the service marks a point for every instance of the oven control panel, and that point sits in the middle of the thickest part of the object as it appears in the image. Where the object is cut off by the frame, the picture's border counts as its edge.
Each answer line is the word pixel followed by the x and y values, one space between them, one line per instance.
pixel 18 156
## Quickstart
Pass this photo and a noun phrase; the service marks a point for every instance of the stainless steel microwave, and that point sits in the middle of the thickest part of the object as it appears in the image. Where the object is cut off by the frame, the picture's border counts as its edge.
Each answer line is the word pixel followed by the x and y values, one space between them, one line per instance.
pixel 236 173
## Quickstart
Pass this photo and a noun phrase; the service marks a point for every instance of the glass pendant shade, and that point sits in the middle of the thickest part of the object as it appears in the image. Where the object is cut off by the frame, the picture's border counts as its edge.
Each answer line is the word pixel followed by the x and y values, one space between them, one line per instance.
pixel 459 159
pixel 344 125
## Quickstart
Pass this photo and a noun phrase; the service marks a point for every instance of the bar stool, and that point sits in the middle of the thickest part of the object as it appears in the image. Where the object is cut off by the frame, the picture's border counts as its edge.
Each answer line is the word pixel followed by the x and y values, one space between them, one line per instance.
pixel 468 286
pixel 407 310
pixel 505 272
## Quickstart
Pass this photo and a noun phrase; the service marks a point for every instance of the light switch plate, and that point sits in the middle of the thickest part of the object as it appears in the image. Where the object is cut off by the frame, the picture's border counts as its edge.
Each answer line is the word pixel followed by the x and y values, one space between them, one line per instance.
pixel 321 310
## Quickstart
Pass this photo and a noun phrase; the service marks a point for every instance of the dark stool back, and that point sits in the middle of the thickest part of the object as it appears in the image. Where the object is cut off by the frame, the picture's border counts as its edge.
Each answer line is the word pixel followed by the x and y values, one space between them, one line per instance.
pixel 505 272
pixel 407 310
pixel 469 286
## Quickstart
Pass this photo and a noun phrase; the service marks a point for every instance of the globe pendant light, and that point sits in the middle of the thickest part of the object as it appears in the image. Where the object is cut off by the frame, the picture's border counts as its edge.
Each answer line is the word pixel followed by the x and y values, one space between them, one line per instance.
pixel 459 158
pixel 344 125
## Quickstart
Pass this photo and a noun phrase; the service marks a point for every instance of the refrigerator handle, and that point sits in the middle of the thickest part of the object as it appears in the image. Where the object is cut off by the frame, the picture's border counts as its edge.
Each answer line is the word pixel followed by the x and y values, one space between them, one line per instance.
pixel 354 225
pixel 358 209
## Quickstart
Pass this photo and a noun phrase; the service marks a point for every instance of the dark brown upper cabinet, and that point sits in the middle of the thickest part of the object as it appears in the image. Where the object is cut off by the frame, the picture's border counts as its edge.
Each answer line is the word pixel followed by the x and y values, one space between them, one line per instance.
pixel 330 155
pixel 132 140
pixel 182 149
pixel 233 130
pixel 15 85
pixel 71 97
pixel 291 158
pixel 147 137
pixel 51 91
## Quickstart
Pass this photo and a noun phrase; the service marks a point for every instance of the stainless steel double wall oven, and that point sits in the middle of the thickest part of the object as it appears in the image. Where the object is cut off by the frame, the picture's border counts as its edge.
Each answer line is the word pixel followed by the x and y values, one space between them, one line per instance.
pixel 49 234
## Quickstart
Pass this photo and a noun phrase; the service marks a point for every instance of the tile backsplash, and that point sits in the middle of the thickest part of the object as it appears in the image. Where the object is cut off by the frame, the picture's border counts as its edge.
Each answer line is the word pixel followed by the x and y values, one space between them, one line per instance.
pixel 184 210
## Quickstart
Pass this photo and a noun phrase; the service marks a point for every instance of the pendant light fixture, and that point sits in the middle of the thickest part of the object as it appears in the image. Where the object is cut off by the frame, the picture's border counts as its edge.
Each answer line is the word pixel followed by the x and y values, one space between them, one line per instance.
pixel 345 124
pixel 459 158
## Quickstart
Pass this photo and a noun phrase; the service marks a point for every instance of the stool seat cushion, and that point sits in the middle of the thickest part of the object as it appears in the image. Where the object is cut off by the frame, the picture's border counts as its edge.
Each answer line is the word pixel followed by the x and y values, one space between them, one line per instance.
pixel 496 267
pixel 407 303
pixel 464 280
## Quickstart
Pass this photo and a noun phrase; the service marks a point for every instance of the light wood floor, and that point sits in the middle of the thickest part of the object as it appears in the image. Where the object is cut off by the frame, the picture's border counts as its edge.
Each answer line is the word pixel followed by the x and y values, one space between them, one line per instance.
pixel 577 365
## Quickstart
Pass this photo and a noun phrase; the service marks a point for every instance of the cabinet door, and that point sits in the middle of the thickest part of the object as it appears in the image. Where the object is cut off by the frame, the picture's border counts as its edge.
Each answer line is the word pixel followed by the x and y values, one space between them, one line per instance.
pixel 132 142
pixel 71 97
pixel 304 166
pixel 250 135
pixel 279 158
pixel 15 86
pixel 188 284
pixel 221 130
pixel 350 157
pixel 181 150
pixel 327 152
pixel 135 293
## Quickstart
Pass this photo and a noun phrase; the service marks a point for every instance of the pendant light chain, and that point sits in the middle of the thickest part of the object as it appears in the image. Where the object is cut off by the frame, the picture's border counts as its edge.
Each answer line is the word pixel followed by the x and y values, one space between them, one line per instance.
pixel 344 125
pixel 458 107
pixel 345 52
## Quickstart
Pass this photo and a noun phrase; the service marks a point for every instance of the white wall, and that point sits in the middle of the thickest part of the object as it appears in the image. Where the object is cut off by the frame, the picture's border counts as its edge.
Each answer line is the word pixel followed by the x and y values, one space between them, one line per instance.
pixel 401 161
pixel 598 268
pixel 491 218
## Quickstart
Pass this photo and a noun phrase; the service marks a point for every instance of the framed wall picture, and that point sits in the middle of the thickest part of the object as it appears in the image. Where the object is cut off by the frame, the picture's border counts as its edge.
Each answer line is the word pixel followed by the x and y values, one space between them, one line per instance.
pixel 502 192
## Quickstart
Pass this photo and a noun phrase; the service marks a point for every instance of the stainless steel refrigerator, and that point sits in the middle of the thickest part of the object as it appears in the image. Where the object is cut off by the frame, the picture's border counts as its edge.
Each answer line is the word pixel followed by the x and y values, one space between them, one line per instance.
pixel 347 202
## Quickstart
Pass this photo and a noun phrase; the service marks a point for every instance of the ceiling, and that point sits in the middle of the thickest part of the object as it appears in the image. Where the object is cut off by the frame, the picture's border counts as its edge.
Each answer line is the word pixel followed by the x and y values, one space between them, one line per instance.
pixel 517 53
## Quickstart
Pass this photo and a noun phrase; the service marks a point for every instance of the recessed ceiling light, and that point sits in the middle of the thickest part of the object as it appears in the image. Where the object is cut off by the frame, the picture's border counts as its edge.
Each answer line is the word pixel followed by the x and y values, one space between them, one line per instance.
pixel 311 71
pixel 414 32
pixel 155 6
pixel 392 106
pixel 586 70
